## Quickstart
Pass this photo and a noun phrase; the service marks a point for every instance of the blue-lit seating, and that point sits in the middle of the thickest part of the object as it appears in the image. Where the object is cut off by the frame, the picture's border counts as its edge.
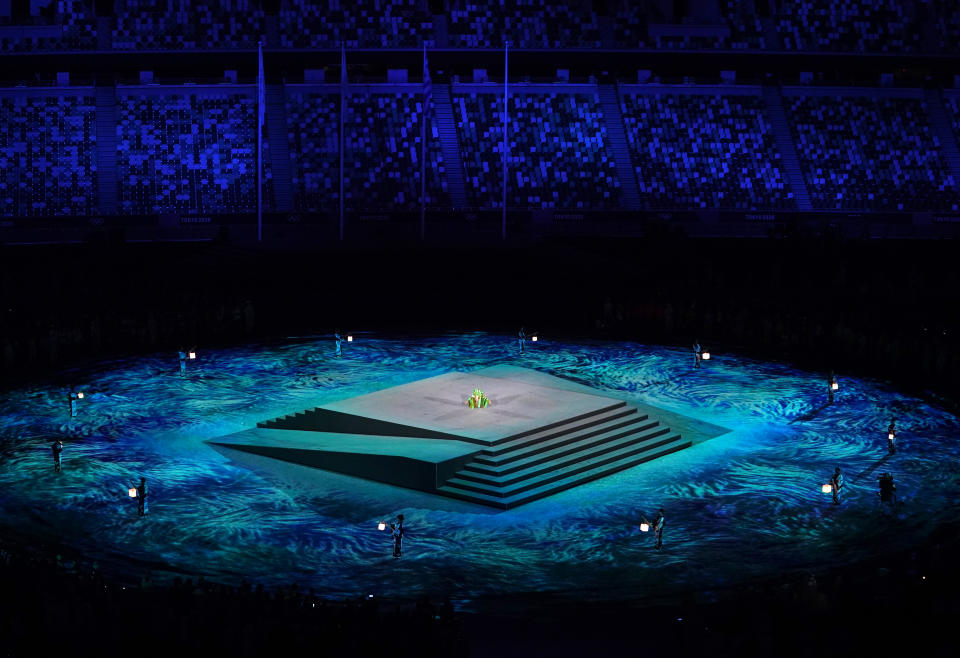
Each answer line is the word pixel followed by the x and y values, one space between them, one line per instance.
pixel 381 152
pixel 190 152
pixel 870 153
pixel 558 151
pixel 696 151
pixel 47 155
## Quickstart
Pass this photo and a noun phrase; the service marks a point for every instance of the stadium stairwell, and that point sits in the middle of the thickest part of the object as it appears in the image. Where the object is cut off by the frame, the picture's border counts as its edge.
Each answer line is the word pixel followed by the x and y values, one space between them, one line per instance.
pixel 450 145
pixel 108 191
pixel 940 123
pixel 788 151
pixel 279 149
pixel 617 138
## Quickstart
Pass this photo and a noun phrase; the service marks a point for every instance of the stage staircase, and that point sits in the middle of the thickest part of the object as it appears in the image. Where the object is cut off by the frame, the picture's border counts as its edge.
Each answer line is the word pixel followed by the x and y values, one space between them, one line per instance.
pixel 522 468
pixel 449 145
pixel 788 152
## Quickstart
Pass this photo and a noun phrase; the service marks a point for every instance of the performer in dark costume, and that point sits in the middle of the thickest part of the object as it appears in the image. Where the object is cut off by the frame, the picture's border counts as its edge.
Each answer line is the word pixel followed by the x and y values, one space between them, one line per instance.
pixel 142 497
pixel 339 342
pixel 57 449
pixel 658 529
pixel 836 484
pixel 697 354
pixel 521 339
pixel 74 397
pixel 891 435
pixel 397 529
pixel 831 383
pixel 888 490
pixel 183 362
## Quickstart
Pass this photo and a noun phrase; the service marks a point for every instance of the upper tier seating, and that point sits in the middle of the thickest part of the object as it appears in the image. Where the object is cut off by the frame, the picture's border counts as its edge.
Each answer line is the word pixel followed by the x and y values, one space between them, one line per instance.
pixel 847 26
pixel 187 25
pixel 355 23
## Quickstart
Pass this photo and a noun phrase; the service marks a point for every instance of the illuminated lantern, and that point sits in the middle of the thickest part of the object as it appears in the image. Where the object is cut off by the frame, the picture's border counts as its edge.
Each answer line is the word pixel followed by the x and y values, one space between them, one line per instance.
pixel 706 356
pixel 644 527
pixel 381 526
pixel 349 339
pixel 533 338
pixel 890 436
pixel 132 492
pixel 193 355
pixel 826 488
pixel 80 395
pixel 834 385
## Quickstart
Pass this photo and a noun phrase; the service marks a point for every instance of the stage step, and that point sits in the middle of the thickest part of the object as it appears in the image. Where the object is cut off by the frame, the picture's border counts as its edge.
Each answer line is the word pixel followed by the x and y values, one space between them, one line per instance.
pixel 498 446
pixel 597 471
pixel 533 453
pixel 509 483
pixel 505 451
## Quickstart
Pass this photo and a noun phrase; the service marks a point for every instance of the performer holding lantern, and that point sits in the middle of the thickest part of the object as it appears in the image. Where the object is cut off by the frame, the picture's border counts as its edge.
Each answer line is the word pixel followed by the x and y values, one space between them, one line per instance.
pixel 697 354
pixel 836 484
pixel 891 435
pixel 658 529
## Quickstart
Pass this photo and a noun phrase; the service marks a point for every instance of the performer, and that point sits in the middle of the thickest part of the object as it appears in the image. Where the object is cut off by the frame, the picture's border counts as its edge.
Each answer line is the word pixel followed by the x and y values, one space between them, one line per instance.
pixel 57 450
pixel 831 381
pixel 74 397
pixel 183 362
pixel 658 529
pixel 888 490
pixel 397 532
pixel 697 354
pixel 891 435
pixel 836 484
pixel 339 342
pixel 142 497
pixel 521 339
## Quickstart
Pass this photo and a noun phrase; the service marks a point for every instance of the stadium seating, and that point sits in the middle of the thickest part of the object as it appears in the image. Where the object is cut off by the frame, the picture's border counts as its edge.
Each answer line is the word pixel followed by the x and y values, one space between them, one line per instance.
pixel 698 151
pixel 870 153
pixel 355 23
pixel 187 25
pixel 525 23
pixel 381 152
pixel 847 26
pixel 74 19
pixel 558 152
pixel 189 152
pixel 47 155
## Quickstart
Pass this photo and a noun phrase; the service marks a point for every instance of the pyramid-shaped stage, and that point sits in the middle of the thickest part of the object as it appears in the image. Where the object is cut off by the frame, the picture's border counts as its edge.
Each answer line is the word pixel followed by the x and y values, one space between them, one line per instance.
pixel 539 436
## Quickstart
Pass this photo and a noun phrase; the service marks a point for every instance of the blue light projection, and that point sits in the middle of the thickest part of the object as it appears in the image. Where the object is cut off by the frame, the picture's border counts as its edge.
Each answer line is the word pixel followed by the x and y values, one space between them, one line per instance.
pixel 743 505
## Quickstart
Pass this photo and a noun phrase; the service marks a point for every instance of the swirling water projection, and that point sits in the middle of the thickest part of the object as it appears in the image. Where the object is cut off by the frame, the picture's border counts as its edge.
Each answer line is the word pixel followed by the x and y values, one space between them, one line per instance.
pixel 742 505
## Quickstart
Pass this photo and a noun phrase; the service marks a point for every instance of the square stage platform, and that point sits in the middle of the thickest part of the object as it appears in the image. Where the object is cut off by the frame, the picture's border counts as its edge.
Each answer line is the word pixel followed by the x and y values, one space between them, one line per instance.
pixel 540 435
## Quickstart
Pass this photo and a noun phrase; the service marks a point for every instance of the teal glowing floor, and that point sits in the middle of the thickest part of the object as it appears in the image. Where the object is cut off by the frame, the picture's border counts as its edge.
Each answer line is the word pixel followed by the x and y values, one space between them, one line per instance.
pixel 744 504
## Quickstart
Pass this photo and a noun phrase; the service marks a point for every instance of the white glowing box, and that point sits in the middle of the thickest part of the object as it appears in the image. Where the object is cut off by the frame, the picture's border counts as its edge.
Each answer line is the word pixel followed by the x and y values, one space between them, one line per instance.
pixel 890 436
pixel 381 526
pixel 826 488
pixel 132 492
pixel 834 385
pixel 644 527
pixel 349 339
pixel 706 356
pixel 533 338
pixel 80 395
pixel 193 355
